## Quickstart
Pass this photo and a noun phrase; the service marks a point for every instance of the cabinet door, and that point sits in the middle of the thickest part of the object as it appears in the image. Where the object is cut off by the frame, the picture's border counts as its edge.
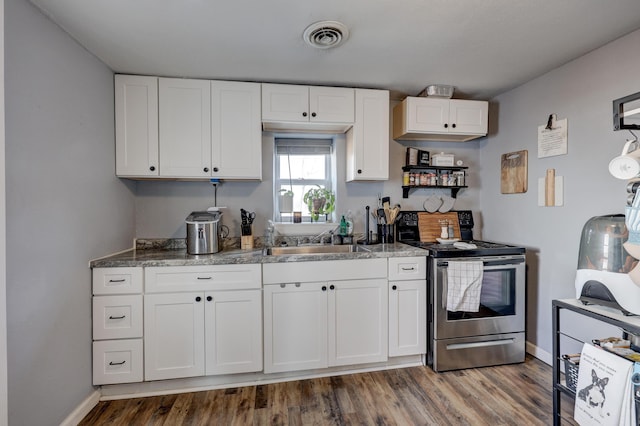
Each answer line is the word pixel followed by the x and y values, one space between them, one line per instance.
pixel 295 327
pixel 185 127
pixel 331 104
pixel 233 331
pixel 368 139
pixel 407 317
pixel 136 107
pixel 236 130
pixel 358 321
pixel 468 116
pixel 285 102
pixel 173 335
pixel 427 115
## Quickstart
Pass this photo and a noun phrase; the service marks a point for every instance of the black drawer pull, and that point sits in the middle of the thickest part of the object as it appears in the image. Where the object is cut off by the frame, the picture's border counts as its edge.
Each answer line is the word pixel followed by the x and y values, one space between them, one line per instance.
pixel 409 269
pixel 120 317
pixel 117 281
pixel 204 278
pixel 116 363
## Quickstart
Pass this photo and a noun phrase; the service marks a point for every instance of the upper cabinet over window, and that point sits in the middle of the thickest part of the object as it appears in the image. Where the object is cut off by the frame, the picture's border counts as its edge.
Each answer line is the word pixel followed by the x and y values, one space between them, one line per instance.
pixel 203 129
pixel 435 119
pixel 287 107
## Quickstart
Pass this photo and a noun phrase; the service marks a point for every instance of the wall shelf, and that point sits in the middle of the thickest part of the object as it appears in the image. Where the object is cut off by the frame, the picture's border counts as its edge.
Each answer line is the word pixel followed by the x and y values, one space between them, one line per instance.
pixel 439 172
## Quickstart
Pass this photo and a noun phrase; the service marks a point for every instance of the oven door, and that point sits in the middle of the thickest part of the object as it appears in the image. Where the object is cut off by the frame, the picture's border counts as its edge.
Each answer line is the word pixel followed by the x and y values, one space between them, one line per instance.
pixel 502 299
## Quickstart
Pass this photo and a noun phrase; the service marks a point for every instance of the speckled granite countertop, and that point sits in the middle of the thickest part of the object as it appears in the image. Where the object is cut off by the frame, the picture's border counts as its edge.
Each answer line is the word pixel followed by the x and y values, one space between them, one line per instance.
pixel 176 255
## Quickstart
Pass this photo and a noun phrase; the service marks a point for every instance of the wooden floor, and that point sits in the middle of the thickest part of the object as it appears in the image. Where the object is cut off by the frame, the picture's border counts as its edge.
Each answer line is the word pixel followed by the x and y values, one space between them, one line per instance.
pixel 519 394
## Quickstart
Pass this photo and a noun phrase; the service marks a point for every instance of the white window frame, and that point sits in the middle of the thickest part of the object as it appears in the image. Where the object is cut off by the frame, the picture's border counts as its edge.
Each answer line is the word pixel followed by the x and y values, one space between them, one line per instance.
pixel 294 146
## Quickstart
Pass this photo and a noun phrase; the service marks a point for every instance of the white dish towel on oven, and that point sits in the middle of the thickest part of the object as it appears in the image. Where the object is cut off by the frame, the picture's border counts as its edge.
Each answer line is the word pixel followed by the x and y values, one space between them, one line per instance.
pixel 464 283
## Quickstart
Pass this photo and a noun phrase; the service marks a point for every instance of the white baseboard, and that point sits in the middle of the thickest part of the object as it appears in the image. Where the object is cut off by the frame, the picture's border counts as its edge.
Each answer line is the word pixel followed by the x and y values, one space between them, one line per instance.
pixel 542 355
pixel 82 410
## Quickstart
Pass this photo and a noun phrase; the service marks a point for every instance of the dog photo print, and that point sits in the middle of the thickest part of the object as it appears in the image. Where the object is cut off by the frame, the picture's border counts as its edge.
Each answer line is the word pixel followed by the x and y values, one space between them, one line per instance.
pixel 604 393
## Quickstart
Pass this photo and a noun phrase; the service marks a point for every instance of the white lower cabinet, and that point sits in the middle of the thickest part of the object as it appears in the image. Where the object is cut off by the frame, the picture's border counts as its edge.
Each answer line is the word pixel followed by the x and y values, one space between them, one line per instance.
pixel 407 306
pixel 173 335
pixel 295 327
pixel 357 321
pixel 319 324
pixel 117 361
pixel 202 331
pixel 117 325
pixel 233 332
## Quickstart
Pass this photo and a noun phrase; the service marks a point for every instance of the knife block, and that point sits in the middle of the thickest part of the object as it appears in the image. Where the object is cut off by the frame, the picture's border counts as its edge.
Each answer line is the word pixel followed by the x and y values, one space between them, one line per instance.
pixel 246 242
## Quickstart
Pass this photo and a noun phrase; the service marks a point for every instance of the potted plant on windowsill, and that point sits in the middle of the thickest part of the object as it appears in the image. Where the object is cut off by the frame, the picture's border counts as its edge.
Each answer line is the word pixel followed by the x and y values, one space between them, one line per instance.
pixel 319 201
pixel 286 201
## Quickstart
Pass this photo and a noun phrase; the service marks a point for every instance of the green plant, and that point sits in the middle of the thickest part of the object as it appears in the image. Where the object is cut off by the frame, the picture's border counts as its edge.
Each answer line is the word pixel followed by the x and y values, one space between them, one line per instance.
pixel 319 201
pixel 286 192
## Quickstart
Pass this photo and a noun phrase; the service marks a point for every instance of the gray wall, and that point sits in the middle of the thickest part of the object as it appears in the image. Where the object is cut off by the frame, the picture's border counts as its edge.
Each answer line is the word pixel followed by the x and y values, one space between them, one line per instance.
pixel 161 207
pixel 581 91
pixel 64 207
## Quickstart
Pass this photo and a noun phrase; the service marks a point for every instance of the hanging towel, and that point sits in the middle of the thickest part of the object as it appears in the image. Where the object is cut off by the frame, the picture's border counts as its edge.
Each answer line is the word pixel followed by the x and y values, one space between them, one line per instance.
pixel 604 392
pixel 464 283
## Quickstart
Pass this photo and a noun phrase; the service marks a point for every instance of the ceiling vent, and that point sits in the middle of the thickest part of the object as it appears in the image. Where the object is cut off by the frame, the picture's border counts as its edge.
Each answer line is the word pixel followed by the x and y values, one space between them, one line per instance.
pixel 326 34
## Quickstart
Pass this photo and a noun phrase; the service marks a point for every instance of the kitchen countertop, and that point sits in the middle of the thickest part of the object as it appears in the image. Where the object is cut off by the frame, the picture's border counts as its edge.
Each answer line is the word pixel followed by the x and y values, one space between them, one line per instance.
pixel 179 257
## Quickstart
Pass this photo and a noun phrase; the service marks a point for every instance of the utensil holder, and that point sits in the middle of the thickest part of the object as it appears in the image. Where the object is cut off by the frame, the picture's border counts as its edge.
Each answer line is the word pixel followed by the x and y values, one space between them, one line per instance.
pixel 246 242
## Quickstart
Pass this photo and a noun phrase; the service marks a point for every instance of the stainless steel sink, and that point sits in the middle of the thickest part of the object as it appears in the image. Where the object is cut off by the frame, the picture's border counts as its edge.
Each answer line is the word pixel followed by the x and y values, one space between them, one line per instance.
pixel 315 249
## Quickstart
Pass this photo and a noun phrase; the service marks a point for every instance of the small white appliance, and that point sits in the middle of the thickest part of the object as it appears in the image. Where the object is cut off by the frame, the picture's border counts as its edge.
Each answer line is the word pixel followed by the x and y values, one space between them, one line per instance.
pixel 603 277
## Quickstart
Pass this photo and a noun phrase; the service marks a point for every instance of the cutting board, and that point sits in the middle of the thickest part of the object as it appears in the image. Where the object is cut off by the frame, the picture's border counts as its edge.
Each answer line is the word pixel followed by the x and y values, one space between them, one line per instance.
pixel 513 174
pixel 430 225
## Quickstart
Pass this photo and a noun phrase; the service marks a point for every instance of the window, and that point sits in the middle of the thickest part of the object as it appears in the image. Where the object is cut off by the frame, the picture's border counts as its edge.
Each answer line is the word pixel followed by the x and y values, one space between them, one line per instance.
pixel 301 164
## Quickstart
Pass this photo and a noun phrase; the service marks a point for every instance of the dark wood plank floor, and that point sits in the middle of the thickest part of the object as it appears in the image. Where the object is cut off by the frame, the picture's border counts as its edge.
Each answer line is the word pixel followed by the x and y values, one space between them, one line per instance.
pixel 519 394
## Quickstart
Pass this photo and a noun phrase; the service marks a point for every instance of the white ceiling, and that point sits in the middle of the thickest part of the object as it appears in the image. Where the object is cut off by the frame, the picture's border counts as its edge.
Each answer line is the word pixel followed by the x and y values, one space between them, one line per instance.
pixel 482 47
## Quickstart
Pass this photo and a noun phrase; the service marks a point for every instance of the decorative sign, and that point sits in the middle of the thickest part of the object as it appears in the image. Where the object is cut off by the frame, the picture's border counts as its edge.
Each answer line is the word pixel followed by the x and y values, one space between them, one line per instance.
pixel 552 137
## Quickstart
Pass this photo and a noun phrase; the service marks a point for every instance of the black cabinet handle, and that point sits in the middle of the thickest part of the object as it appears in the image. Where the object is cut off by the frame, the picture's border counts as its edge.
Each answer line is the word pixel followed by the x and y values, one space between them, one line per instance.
pixel 204 278
pixel 313 114
pixel 324 288
pixel 116 363
pixel 395 287
pixel 453 125
pixel 332 287
pixel 359 171
pixel 152 168
pixel 117 281
pixel 206 170
pixel 215 169
pixel 304 114
pixel 198 299
pixel 446 125
pixel 209 298
pixel 120 317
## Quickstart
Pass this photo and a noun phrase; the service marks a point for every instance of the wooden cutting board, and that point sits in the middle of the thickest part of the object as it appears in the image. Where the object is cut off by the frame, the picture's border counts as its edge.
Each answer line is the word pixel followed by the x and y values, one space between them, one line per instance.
pixel 430 225
pixel 513 174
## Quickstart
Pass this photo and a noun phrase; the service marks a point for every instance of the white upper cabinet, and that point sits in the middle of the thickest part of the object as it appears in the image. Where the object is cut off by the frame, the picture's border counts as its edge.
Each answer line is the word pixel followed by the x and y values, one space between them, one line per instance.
pixel 417 118
pixel 185 127
pixel 136 109
pixel 236 130
pixel 368 139
pixel 293 107
pixel 191 129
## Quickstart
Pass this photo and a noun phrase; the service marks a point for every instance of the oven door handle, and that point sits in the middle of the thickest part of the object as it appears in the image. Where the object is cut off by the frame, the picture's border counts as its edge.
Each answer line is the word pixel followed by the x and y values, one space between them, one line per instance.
pixel 445 288
pixel 500 262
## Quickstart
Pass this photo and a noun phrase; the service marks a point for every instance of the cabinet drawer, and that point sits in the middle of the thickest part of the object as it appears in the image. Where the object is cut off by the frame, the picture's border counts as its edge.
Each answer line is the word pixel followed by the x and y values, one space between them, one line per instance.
pixel 117 280
pixel 117 361
pixel 202 278
pixel 117 317
pixel 407 268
